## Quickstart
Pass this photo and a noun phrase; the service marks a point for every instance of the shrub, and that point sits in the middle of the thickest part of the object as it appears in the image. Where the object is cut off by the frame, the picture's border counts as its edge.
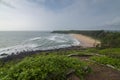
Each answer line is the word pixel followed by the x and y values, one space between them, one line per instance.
pixel 51 67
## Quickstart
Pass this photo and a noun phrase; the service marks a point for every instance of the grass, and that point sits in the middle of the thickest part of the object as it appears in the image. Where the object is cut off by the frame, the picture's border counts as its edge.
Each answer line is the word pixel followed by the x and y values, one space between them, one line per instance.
pixel 107 61
pixel 110 56
pixel 111 52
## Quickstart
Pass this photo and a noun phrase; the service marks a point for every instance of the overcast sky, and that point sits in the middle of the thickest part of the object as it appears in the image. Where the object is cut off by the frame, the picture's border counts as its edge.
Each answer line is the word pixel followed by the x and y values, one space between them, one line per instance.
pixel 59 14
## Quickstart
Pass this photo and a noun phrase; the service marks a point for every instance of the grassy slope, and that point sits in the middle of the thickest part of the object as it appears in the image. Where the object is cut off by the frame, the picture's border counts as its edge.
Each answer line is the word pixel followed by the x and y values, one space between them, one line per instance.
pixel 30 66
pixel 43 67
pixel 110 56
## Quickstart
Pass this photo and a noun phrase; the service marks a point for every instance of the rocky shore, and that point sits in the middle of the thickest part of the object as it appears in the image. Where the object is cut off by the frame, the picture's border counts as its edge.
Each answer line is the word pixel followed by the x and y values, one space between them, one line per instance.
pixel 30 53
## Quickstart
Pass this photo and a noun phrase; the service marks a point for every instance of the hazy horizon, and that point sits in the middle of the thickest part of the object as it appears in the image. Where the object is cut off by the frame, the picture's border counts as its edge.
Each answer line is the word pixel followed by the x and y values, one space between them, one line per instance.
pixel 49 15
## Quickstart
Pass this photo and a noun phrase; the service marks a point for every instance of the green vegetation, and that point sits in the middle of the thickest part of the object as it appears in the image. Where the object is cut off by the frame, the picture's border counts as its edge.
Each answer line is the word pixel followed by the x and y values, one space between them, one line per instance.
pixel 107 61
pixel 92 33
pixel 111 52
pixel 110 40
pixel 55 65
pixel 49 67
pixel 109 56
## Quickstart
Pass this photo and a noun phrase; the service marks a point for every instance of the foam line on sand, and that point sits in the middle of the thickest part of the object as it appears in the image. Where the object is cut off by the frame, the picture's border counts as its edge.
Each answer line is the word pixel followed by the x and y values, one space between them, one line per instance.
pixel 86 41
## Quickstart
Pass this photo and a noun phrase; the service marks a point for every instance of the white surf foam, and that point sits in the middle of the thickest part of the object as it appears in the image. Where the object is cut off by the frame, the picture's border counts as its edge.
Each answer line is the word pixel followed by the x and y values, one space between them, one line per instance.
pixel 17 49
pixel 41 43
pixel 59 38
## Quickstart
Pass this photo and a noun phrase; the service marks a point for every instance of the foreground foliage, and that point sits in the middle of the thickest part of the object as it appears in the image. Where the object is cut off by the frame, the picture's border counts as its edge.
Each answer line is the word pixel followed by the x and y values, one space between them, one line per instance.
pixel 50 67
pixel 55 65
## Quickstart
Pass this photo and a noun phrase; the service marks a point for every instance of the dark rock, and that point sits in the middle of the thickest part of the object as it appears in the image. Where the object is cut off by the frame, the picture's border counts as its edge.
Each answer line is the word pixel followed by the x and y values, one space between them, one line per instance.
pixel 4 54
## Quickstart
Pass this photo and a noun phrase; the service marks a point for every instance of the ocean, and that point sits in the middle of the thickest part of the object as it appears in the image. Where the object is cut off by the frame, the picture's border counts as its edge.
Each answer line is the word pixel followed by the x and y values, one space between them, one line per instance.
pixel 23 41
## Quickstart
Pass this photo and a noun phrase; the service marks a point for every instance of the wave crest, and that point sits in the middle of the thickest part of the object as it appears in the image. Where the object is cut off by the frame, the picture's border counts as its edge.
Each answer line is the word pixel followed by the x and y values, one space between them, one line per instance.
pixel 41 43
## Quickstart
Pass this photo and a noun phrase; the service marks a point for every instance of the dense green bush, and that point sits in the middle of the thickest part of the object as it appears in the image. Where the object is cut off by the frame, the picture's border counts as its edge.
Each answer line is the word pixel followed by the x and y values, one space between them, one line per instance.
pixel 50 67
pixel 110 40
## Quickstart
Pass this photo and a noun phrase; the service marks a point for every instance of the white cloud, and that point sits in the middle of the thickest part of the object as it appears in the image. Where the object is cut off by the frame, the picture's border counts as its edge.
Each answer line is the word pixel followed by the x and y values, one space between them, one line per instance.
pixel 28 15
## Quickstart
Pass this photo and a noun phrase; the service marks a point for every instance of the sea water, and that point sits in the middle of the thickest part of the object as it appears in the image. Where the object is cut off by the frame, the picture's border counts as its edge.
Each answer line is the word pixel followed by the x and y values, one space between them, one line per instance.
pixel 19 41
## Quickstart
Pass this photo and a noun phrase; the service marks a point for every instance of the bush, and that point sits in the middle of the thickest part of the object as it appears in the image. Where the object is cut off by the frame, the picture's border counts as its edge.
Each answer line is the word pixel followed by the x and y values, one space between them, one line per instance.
pixel 51 67
pixel 111 40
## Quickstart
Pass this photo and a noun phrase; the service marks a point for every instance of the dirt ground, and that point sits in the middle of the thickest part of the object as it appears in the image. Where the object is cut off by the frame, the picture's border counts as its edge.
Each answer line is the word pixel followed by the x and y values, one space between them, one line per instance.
pixel 99 72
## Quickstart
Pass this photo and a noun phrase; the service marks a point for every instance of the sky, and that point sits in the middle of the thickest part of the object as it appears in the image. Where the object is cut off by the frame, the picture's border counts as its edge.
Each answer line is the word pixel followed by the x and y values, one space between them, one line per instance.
pixel 59 15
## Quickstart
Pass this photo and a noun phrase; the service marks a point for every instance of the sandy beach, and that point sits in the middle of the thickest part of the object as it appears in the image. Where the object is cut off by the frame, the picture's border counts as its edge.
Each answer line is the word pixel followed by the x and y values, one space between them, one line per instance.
pixel 86 41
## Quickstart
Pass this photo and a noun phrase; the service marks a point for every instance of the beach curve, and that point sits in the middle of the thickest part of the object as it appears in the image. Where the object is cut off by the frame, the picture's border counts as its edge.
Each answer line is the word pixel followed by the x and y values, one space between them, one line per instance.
pixel 86 41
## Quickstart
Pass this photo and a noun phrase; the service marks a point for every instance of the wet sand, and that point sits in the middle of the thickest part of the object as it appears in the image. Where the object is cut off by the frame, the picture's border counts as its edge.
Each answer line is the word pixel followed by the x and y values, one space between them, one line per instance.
pixel 86 41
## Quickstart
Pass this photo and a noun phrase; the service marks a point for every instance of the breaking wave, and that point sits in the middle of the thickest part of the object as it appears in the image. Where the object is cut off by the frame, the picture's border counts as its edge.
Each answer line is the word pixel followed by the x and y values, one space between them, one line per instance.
pixel 41 43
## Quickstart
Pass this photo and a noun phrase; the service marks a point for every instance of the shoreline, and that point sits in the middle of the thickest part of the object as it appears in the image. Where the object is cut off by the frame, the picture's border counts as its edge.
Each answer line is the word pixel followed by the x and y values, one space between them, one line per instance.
pixel 86 41
pixel 22 55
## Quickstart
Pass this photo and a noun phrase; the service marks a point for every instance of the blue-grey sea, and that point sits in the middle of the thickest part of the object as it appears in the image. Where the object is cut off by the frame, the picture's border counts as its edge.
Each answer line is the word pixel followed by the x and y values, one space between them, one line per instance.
pixel 19 41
